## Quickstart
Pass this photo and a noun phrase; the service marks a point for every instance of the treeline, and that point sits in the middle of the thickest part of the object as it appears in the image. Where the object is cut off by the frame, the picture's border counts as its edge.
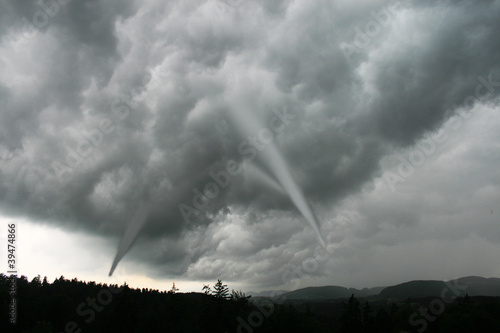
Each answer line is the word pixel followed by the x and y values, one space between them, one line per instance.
pixel 75 306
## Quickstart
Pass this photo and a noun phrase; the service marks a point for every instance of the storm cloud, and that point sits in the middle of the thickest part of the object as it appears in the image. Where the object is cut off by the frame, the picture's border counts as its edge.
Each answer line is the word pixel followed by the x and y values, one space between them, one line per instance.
pixel 107 107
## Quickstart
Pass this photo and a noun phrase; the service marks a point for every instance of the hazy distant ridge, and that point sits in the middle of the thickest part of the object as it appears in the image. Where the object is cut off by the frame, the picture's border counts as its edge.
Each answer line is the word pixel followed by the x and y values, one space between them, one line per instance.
pixel 331 292
pixel 472 285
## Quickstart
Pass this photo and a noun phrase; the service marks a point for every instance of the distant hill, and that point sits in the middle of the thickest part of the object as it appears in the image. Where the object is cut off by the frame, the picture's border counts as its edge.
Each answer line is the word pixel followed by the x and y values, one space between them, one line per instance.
pixel 267 293
pixel 331 292
pixel 479 286
pixel 413 289
pixel 472 285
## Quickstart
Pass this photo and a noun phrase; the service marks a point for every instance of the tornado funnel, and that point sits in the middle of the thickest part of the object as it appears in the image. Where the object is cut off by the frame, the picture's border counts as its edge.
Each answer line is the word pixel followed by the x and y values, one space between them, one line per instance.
pixel 271 156
pixel 130 235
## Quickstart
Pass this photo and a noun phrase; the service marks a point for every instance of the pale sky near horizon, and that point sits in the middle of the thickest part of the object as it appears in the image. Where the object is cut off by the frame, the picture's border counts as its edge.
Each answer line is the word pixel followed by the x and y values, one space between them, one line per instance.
pixel 386 116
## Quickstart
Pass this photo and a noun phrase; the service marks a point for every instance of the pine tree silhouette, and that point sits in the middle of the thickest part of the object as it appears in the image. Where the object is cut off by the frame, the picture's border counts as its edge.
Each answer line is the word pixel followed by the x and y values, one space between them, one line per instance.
pixel 221 290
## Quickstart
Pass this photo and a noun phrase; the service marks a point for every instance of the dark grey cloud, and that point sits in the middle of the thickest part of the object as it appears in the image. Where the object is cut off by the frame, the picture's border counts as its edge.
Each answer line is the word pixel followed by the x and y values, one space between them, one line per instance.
pixel 105 107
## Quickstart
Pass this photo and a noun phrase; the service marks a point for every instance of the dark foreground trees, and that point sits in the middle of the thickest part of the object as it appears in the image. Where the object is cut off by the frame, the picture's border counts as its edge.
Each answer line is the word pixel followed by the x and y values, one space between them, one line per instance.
pixel 76 306
pixel 467 314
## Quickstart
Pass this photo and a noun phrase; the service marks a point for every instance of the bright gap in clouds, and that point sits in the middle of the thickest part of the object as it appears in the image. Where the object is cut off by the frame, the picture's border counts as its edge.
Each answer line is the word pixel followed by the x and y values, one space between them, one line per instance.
pixel 50 251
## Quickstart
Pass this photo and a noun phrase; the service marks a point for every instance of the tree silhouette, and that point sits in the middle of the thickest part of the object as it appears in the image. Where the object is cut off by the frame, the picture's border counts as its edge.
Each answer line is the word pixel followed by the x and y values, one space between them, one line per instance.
pixel 174 289
pixel 206 289
pixel 239 296
pixel 350 320
pixel 367 318
pixel 221 290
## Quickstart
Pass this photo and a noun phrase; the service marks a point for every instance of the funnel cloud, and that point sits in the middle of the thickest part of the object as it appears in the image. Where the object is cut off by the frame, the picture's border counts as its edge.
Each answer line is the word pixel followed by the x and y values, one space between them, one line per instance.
pixel 130 235
pixel 359 126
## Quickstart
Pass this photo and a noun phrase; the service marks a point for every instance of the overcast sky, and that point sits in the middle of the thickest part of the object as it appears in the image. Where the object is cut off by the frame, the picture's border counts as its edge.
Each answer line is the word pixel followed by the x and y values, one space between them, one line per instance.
pixel 200 118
